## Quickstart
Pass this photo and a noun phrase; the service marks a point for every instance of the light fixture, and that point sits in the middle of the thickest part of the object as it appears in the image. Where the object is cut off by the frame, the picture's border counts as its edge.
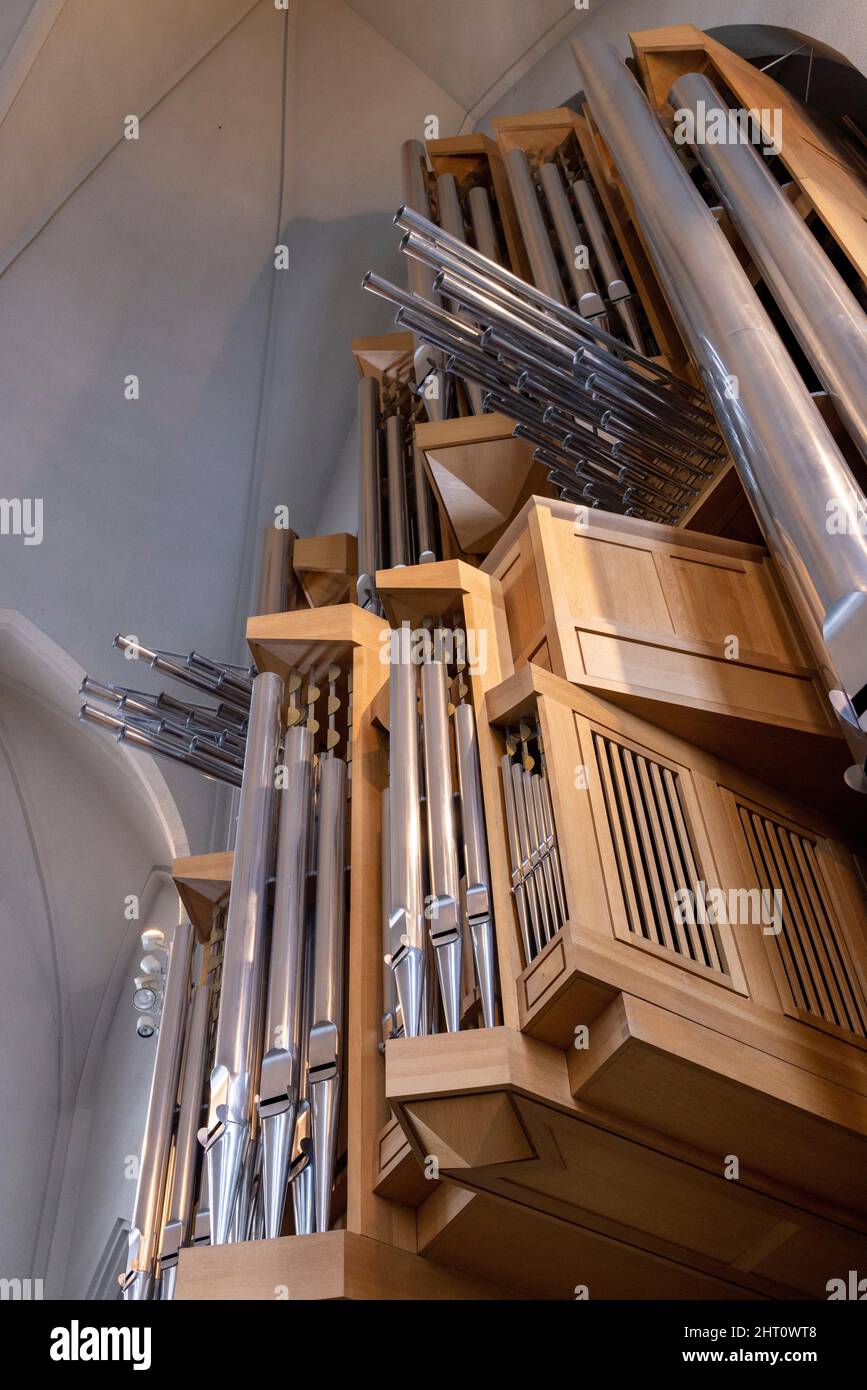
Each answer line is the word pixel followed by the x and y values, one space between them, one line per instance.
pixel 144 999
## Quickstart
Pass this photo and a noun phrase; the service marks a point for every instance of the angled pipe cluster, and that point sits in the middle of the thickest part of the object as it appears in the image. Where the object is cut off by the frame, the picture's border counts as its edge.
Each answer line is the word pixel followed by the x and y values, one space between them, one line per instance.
pixel 613 428
pixel 211 740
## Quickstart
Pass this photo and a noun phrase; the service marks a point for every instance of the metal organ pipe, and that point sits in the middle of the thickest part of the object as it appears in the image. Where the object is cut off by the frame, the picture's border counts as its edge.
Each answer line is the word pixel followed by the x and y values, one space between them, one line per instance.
pixel 452 219
pixel 237 1046
pixel 137 1283
pixel 413 160
pixel 326 1042
pixel 818 305
pixel 397 513
pixel 369 502
pixel 445 917
pixel 790 466
pixel 178 1227
pixel 484 231
pixel 280 1079
pixel 566 230
pixel 535 233
pixel 406 916
pixel 477 877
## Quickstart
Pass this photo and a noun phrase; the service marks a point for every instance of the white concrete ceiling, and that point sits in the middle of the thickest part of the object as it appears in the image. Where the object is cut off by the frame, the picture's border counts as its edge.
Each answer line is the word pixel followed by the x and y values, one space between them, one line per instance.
pixel 470 47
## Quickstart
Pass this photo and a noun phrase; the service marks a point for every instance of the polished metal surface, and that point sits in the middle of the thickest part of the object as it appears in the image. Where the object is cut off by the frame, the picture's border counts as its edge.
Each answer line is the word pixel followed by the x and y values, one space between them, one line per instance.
pixel 790 466
pixel 603 415
pixel 424 518
pixel 326 1041
pixel 818 305
pixel 238 1039
pixel 484 230
pixel 413 160
pixel 369 541
pixel 279 1086
pixel 616 287
pixel 391 1024
pixel 543 264
pixel 565 227
pixel 406 936
pixel 476 886
pixel 443 907
pixel 177 1230
pixel 516 859
pixel 273 587
pixel 452 219
pixel 138 1281
pixel 397 506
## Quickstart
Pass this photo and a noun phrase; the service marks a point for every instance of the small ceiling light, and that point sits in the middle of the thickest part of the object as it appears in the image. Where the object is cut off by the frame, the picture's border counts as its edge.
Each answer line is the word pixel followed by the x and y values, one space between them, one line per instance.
pixel 146 1026
pixel 143 1000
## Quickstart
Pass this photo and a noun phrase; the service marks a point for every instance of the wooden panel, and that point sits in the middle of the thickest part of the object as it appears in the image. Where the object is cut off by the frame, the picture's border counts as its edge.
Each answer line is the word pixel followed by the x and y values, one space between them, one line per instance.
pixel 607 578
pixel 480 474
pixel 719 684
pixel 713 600
pixel 335 1264
pixel 668 1072
pixel 523 601
pixel 635 1185
pixel 203 882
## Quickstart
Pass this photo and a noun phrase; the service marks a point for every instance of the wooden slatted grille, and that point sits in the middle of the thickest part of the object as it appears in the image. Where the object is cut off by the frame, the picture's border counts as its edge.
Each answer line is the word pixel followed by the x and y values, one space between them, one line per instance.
pixel 812 952
pixel 656 854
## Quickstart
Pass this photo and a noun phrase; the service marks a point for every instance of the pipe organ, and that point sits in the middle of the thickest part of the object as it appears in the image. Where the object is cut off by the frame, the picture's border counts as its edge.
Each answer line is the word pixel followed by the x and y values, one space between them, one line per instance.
pixel 548 886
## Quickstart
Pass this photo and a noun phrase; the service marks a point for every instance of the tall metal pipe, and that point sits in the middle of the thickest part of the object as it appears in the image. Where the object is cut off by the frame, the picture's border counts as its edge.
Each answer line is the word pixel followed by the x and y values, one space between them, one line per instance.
pixel 326 1041
pixel 177 1230
pixel 444 912
pixel 413 164
pixel 452 219
pixel 397 510
pixel 301 1176
pixel 406 915
pixel 138 1281
pixel 566 230
pixel 484 231
pixel 273 579
pixel 477 874
pixel 369 500
pixel 616 287
pixel 543 265
pixel 280 1081
pixel 793 472
pixel 237 1046
pixel 424 517
pixel 818 305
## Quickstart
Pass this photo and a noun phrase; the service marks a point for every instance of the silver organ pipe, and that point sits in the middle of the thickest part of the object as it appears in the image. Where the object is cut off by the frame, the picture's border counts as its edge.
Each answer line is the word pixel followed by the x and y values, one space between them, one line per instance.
pixel 788 462
pixel 138 1282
